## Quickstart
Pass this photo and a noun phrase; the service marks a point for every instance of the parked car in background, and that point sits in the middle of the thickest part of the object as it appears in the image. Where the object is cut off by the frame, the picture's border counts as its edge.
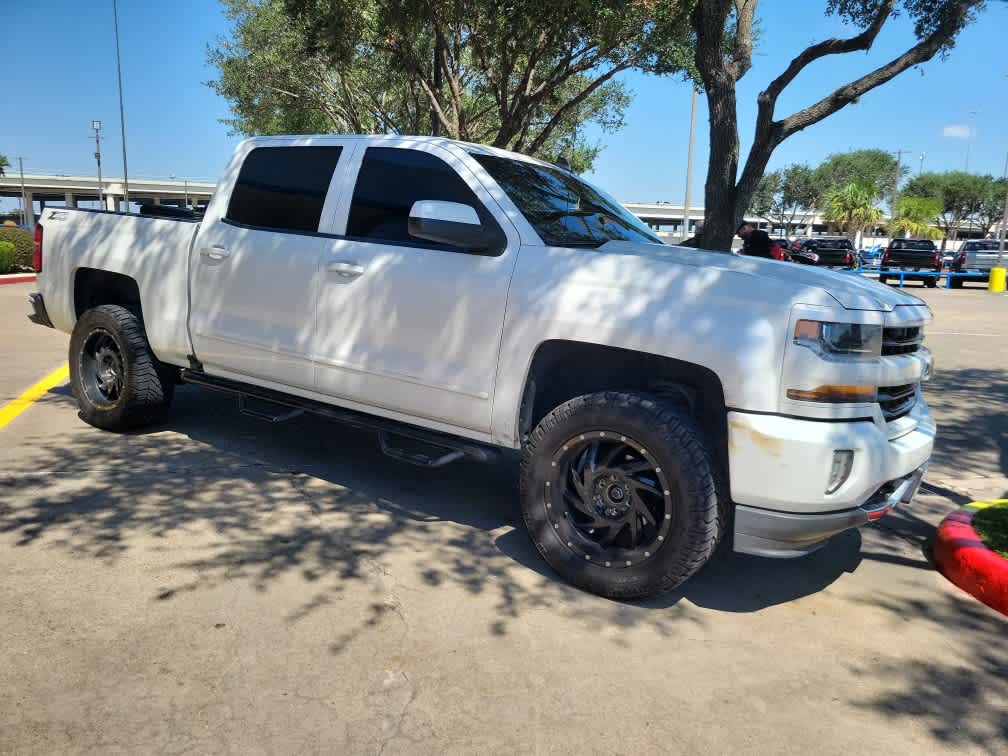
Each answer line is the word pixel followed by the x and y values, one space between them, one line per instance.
pixel 871 257
pixel 977 257
pixel 785 249
pixel 909 256
pixel 827 252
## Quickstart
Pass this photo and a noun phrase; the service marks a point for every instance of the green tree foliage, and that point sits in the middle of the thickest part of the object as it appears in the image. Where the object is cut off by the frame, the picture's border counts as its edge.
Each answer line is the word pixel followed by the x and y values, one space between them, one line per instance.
pixel 725 39
pixel 7 258
pixel 962 197
pixel 4 165
pixel 991 209
pixel 524 75
pixel 783 197
pixel 872 168
pixel 24 245
pixel 852 208
pixel 915 216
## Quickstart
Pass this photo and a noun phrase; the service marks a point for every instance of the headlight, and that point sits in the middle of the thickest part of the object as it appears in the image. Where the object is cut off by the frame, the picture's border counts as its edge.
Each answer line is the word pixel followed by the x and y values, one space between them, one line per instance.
pixel 840 340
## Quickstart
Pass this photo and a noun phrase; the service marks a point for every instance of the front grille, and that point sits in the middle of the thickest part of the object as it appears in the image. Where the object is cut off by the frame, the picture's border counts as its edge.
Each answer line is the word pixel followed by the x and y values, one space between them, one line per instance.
pixel 896 401
pixel 902 340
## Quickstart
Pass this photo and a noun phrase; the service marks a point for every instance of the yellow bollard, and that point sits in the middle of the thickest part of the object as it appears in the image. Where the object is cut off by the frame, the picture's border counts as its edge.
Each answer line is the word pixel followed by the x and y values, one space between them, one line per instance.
pixel 997 280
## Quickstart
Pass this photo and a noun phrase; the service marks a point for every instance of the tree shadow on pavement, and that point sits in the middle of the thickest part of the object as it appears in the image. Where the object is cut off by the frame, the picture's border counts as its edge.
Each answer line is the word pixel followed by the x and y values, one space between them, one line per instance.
pixel 962 698
pixel 316 499
pixel 973 431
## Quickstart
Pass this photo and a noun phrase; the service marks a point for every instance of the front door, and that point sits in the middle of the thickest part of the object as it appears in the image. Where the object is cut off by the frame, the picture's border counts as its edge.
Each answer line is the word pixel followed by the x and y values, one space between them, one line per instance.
pixel 404 324
pixel 254 269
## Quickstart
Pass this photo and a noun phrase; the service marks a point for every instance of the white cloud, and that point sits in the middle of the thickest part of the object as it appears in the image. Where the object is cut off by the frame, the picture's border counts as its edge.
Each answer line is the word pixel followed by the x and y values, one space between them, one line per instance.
pixel 957 131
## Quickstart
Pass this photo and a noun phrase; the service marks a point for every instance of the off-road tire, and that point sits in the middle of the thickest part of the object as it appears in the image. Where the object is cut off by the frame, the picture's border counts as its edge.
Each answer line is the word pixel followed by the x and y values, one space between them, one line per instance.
pixel 147 385
pixel 676 443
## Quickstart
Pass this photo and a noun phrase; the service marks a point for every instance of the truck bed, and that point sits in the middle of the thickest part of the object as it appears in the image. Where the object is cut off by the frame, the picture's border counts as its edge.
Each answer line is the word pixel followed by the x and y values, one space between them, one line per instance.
pixel 154 251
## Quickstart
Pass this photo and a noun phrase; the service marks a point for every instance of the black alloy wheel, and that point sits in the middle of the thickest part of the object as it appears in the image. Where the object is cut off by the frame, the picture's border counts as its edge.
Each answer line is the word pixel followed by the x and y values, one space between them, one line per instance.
pixel 610 499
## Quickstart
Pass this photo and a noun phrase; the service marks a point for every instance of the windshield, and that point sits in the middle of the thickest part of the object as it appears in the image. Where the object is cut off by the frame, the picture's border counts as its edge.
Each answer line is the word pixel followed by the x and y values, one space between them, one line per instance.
pixel 564 211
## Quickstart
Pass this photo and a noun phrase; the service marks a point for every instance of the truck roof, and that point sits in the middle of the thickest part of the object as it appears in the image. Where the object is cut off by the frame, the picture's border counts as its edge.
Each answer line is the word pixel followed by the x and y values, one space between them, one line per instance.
pixel 472 147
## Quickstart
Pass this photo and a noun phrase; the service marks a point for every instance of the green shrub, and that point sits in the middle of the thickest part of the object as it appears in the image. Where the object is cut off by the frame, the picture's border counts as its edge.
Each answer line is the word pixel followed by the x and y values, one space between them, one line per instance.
pixel 24 245
pixel 7 257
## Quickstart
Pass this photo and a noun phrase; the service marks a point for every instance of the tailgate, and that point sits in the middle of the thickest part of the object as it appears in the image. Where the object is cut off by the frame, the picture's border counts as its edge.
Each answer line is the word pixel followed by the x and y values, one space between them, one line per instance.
pixel 912 260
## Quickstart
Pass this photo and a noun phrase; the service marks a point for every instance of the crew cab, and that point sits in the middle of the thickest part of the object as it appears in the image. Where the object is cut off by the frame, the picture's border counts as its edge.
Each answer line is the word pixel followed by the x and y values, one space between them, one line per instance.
pixel 460 299
pixel 976 257
pixel 917 259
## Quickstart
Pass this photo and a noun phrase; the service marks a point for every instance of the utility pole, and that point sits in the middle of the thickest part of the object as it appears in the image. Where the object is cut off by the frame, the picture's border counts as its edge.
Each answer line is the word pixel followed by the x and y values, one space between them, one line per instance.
pixel 122 116
pixel 186 192
pixel 24 198
pixel 689 161
pixel 96 125
pixel 1004 222
pixel 969 139
pixel 895 192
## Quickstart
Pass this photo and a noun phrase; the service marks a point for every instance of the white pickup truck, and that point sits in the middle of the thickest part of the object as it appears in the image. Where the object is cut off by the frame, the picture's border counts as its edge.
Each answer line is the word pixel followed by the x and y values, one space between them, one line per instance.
pixel 460 299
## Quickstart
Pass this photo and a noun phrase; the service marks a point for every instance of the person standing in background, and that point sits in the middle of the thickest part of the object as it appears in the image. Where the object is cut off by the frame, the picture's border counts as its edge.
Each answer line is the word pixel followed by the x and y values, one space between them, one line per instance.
pixel 755 243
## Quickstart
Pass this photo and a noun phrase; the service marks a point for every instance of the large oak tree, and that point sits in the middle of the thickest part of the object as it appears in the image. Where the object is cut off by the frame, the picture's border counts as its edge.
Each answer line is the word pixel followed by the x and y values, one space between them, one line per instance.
pixel 724 32
pixel 522 74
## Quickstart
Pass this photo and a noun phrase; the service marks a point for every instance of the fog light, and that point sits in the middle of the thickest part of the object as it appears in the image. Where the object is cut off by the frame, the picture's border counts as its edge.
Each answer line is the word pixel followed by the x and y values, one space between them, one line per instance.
pixel 843 460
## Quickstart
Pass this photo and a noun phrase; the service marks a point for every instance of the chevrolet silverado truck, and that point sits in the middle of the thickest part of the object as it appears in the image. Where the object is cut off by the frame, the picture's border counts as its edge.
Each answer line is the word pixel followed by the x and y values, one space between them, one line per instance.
pixel 460 300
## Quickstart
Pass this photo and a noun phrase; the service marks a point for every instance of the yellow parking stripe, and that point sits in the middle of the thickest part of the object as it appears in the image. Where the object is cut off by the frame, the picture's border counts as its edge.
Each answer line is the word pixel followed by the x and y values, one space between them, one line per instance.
pixel 15 407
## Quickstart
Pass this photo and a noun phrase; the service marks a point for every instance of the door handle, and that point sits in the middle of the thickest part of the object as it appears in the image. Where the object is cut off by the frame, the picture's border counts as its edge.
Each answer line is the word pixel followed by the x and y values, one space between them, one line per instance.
pixel 215 252
pixel 345 268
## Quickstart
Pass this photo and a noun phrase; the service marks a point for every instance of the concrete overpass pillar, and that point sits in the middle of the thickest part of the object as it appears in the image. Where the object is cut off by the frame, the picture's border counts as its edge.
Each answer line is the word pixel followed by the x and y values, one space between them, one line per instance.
pixel 71 201
pixel 157 200
pixel 29 210
pixel 111 202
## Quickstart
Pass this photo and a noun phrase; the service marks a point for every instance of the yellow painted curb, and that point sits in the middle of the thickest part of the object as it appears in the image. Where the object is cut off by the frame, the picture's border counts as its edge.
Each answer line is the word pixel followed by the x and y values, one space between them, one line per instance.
pixel 985 504
pixel 15 407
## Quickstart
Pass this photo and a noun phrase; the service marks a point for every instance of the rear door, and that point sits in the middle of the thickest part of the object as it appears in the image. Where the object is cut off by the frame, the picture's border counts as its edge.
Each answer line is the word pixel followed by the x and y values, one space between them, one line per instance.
pixel 408 325
pixel 254 269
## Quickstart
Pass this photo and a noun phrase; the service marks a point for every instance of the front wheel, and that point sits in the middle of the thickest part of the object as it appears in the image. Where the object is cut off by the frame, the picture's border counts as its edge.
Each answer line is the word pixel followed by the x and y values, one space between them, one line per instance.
pixel 116 380
pixel 619 495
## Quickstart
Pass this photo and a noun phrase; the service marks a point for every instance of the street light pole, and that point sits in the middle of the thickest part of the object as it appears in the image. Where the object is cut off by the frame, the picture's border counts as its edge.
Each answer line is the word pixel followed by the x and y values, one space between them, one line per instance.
pixel 24 198
pixel 689 161
pixel 921 169
pixel 96 125
pixel 122 116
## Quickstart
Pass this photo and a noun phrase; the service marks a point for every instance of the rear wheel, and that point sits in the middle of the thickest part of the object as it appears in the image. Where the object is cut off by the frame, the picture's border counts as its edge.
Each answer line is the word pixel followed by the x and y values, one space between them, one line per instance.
pixel 619 494
pixel 117 381
pixel 956 283
pixel 883 279
pixel 930 282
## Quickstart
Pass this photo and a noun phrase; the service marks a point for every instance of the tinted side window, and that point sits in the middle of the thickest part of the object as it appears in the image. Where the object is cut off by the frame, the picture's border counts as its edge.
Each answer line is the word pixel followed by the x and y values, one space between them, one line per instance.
pixel 390 181
pixel 283 187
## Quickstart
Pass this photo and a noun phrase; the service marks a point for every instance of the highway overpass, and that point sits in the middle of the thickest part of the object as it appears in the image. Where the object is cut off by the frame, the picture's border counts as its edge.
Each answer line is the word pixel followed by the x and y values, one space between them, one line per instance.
pixel 42 190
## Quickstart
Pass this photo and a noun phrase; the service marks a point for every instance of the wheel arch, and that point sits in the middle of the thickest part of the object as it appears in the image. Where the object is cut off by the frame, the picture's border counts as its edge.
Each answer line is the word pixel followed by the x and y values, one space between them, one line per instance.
pixel 560 370
pixel 94 287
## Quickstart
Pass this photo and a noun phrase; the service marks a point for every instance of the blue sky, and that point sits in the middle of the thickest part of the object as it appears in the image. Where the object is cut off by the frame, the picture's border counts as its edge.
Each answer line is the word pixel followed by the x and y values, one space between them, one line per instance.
pixel 60 74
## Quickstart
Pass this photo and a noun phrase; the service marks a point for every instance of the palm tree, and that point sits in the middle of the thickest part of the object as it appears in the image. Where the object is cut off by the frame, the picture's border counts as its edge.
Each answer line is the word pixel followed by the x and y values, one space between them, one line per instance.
pixel 852 207
pixel 3 165
pixel 915 216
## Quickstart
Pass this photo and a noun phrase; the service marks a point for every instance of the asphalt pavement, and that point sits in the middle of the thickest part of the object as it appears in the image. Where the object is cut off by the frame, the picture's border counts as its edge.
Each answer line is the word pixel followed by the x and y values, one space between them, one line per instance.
pixel 215 584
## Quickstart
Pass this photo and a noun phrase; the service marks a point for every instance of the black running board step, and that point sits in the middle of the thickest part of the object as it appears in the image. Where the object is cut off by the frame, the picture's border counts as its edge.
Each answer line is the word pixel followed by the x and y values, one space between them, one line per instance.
pixel 419 458
pixel 470 449
pixel 249 410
